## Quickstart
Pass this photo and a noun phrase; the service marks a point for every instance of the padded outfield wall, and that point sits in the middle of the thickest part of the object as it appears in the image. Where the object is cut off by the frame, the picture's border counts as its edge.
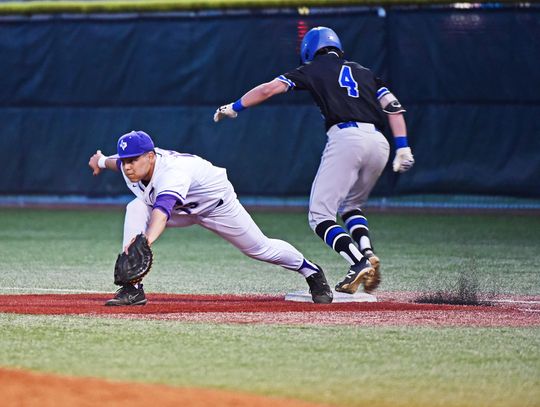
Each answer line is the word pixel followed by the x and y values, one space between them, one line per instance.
pixel 70 84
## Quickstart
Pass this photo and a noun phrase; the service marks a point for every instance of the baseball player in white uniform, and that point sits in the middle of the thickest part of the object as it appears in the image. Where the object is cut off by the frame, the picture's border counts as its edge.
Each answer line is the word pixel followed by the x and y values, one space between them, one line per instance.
pixel 175 190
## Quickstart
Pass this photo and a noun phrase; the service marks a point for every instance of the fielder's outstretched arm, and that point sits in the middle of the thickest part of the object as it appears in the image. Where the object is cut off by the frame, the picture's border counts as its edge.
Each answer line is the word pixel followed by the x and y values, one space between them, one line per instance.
pixel 255 96
pixel 156 226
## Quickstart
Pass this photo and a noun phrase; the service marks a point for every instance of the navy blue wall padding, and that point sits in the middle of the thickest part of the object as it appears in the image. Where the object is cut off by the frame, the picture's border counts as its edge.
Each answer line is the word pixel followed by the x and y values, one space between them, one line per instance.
pixel 72 84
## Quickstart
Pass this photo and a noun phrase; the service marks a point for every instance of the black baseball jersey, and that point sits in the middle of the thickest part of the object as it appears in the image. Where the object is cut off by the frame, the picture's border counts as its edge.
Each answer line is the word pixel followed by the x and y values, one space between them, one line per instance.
pixel 344 90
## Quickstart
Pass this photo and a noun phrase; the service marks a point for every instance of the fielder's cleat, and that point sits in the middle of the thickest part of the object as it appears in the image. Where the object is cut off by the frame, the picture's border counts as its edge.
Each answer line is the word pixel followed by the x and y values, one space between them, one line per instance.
pixel 356 276
pixel 319 288
pixel 128 295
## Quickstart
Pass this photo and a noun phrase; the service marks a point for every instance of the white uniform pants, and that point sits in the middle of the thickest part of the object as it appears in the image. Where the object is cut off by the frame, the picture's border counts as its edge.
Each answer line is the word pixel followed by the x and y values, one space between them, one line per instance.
pixel 230 221
pixel 351 164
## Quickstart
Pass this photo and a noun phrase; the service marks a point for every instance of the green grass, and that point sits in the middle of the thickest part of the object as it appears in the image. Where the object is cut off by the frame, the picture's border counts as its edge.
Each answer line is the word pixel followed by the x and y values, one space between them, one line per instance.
pixel 346 366
pixel 336 365
pixel 77 249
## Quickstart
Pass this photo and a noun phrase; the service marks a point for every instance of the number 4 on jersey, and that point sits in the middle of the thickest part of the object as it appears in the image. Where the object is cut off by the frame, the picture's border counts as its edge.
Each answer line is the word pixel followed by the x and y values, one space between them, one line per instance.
pixel 346 80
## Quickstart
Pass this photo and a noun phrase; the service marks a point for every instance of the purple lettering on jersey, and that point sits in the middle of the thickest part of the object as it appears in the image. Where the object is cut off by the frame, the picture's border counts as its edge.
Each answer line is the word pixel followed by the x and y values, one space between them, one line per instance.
pixel 186 207
pixel 177 154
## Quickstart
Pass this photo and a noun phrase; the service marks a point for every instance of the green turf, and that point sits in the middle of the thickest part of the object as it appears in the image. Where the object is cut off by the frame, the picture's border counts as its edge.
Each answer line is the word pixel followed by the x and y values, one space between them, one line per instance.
pixel 76 250
pixel 343 366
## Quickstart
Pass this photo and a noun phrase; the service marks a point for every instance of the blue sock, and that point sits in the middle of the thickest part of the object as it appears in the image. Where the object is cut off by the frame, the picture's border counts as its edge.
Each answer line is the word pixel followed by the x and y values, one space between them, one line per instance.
pixel 339 240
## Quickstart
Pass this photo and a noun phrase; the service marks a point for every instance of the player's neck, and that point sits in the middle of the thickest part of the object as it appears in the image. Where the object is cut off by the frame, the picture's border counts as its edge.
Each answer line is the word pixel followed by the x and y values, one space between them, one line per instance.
pixel 150 172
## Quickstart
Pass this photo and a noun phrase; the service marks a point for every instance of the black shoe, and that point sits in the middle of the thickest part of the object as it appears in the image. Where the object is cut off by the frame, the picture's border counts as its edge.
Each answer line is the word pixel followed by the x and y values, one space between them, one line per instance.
pixel 319 288
pixel 356 276
pixel 128 295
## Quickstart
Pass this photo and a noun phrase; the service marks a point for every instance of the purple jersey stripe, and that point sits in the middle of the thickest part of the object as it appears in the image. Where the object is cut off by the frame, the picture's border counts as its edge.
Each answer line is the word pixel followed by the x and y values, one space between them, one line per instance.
pixel 173 193
pixel 165 203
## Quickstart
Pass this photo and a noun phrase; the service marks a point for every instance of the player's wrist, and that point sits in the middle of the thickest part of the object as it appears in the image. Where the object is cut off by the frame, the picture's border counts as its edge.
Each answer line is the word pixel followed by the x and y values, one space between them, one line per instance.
pixel 102 161
pixel 238 106
pixel 401 142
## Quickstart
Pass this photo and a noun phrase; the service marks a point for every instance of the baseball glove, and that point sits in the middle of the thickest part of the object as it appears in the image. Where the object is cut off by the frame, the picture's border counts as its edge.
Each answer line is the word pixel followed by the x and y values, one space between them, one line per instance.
pixel 131 267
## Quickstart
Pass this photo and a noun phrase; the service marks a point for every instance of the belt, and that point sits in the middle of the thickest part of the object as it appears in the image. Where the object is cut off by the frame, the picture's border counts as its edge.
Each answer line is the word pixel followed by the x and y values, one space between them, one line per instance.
pixel 344 125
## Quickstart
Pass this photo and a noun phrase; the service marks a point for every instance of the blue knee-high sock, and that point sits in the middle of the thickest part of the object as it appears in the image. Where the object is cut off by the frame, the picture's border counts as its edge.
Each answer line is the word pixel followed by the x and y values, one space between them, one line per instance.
pixel 339 240
pixel 358 227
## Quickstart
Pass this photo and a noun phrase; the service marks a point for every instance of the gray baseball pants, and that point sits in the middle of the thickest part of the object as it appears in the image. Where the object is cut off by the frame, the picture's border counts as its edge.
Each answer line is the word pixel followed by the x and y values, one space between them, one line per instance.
pixel 351 164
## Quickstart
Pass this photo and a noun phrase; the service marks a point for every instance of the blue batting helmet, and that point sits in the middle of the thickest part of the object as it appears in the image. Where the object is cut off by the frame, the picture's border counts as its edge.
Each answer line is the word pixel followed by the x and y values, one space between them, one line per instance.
pixel 315 39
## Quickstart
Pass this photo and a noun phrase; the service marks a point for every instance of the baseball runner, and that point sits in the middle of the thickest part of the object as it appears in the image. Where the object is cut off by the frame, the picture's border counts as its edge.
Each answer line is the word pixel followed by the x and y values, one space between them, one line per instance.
pixel 353 103
pixel 175 190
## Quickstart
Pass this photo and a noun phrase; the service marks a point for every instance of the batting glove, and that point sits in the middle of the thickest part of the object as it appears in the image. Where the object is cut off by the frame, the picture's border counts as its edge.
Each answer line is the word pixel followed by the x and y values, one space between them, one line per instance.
pixel 225 111
pixel 404 160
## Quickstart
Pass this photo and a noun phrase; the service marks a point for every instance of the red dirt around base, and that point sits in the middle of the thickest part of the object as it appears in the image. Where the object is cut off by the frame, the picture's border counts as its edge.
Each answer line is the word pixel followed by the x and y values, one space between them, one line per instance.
pixel 392 309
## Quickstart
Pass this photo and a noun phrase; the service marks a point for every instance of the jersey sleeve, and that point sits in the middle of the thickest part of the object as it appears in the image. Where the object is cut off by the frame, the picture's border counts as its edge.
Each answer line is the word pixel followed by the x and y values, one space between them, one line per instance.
pixel 171 190
pixel 165 203
pixel 382 89
pixel 295 79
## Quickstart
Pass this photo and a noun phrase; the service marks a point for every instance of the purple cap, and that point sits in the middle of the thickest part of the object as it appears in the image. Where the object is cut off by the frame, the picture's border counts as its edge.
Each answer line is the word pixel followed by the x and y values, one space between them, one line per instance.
pixel 134 144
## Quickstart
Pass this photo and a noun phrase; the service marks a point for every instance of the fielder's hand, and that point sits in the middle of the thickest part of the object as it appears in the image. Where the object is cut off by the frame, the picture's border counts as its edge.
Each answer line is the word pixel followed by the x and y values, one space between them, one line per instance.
pixel 404 160
pixel 93 163
pixel 225 111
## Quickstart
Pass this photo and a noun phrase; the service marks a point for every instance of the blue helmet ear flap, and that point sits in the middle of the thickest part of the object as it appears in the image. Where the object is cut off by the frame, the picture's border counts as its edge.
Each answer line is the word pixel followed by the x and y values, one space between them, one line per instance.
pixel 315 39
pixel 309 43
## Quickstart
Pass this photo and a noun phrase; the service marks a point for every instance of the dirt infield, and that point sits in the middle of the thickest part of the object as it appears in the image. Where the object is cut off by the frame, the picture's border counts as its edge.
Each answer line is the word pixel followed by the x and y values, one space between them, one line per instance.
pixel 393 309
pixel 29 389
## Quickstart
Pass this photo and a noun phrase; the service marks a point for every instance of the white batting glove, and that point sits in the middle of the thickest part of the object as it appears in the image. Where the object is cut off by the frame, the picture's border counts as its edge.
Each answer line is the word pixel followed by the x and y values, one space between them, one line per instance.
pixel 404 160
pixel 225 111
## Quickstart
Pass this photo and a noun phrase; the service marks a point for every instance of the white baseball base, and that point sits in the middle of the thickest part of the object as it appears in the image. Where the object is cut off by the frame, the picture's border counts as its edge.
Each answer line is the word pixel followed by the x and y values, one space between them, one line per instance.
pixel 305 296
